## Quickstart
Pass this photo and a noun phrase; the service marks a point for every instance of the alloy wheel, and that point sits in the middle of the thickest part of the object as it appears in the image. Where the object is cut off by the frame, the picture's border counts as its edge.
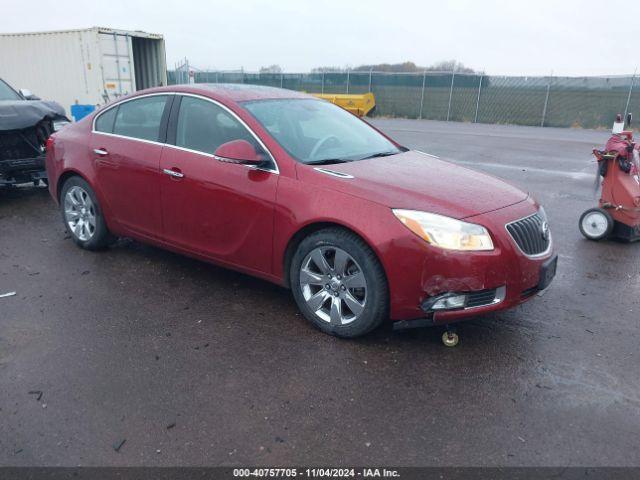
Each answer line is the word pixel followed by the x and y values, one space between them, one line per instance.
pixel 80 213
pixel 333 285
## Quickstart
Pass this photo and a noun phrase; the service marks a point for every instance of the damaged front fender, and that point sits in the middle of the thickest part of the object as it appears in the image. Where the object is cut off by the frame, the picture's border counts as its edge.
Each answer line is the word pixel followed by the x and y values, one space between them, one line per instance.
pixel 25 126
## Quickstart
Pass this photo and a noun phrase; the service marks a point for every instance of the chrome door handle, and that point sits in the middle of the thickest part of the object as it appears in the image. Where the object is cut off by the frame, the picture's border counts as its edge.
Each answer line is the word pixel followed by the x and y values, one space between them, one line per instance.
pixel 99 151
pixel 173 173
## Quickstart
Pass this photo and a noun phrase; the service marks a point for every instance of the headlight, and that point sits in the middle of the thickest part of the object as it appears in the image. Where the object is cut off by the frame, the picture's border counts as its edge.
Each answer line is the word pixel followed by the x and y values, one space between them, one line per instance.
pixel 445 232
pixel 58 124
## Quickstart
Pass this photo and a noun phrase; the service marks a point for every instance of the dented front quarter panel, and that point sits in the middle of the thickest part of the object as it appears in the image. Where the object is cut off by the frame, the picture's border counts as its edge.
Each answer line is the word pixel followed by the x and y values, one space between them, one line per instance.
pixel 422 271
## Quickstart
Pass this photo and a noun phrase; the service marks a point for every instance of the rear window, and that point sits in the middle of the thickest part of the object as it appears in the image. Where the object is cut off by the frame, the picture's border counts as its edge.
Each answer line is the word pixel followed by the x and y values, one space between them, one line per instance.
pixel 140 118
pixel 104 123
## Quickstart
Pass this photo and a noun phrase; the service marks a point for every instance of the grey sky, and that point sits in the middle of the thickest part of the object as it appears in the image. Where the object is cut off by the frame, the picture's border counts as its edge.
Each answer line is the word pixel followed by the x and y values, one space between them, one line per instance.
pixel 570 37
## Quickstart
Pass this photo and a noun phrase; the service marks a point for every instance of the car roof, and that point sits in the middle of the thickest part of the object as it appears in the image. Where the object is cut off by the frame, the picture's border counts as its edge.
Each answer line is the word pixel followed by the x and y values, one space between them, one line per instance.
pixel 233 92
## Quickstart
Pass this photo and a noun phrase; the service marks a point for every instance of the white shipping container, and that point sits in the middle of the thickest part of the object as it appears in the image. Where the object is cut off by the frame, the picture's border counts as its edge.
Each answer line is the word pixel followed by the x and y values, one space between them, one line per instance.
pixel 89 67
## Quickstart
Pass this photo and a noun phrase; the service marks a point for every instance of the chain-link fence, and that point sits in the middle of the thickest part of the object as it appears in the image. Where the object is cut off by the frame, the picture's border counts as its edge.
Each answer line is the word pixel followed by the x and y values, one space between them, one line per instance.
pixel 588 102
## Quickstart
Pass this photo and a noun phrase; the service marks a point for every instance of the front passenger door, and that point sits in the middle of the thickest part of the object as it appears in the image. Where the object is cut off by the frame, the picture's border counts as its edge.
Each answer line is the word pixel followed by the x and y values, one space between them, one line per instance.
pixel 220 210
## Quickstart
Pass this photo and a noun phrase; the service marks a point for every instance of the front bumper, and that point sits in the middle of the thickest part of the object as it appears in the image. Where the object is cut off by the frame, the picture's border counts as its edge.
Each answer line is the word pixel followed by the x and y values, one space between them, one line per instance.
pixel 22 170
pixel 420 273
pixel 480 302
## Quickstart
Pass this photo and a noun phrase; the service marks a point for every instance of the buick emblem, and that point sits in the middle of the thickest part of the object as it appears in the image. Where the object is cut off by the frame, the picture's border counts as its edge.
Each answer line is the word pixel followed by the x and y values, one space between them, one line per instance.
pixel 544 230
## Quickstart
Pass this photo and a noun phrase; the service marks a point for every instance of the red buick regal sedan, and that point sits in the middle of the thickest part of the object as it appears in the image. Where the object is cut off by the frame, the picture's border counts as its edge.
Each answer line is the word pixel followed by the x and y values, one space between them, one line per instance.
pixel 295 190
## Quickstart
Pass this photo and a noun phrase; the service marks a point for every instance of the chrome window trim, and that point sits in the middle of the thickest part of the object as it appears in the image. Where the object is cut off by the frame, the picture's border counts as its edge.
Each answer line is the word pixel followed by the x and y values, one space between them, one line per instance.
pixel 513 240
pixel 215 157
pixel 275 170
pixel 129 138
pixel 219 159
pixel 117 104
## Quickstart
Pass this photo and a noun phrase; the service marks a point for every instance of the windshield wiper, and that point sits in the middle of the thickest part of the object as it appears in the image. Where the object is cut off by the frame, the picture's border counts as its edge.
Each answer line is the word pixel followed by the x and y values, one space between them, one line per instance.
pixel 380 154
pixel 327 161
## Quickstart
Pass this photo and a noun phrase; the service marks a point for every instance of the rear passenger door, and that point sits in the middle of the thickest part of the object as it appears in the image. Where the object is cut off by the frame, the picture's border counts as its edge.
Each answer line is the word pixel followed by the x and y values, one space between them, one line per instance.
pixel 126 146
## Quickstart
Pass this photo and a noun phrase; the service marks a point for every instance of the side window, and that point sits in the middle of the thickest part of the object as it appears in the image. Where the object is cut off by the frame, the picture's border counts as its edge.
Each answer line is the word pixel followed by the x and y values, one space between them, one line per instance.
pixel 140 118
pixel 104 123
pixel 204 126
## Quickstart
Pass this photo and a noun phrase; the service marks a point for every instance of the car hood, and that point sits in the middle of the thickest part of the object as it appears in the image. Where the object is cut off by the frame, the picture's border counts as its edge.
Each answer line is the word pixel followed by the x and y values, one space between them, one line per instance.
pixel 418 181
pixel 19 114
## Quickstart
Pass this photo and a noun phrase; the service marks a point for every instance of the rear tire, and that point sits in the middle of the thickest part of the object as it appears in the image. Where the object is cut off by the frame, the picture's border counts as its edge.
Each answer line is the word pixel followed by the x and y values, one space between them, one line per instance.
pixel 596 224
pixel 82 215
pixel 338 283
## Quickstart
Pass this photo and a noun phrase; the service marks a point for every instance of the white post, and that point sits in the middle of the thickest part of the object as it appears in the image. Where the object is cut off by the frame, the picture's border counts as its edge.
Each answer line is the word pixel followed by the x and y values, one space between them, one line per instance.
pixel 322 89
pixel 453 76
pixel 370 73
pixel 546 101
pixel 347 80
pixel 424 80
pixel 626 108
pixel 475 120
pixel 281 79
pixel 115 45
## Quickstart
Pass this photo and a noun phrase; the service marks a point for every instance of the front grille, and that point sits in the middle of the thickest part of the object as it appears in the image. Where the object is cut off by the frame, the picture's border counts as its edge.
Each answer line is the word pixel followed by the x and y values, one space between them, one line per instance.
pixel 22 165
pixel 478 299
pixel 528 234
pixel 18 144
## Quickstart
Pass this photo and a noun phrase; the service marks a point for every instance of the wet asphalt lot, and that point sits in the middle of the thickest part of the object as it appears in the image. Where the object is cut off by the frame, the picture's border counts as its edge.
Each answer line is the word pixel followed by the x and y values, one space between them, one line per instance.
pixel 192 364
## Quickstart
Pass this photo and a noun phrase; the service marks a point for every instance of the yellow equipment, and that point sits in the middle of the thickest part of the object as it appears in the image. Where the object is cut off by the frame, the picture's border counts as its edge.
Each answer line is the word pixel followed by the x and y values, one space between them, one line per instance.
pixel 359 105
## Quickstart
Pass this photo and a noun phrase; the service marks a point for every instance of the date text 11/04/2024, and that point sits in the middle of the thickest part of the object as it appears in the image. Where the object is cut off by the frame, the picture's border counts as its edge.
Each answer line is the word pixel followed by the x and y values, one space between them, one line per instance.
pixel 316 472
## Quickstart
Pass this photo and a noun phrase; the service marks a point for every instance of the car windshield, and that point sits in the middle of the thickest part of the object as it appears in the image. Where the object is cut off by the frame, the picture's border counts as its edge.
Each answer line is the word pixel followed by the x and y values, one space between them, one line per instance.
pixel 316 131
pixel 8 93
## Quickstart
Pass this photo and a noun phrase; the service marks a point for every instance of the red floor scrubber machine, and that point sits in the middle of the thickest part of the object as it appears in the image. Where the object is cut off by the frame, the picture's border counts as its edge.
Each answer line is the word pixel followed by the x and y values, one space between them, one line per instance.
pixel 618 212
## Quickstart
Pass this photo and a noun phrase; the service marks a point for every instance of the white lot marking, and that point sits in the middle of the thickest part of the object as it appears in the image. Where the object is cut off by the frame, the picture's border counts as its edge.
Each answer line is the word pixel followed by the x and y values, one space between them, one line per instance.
pixel 564 173
pixel 10 294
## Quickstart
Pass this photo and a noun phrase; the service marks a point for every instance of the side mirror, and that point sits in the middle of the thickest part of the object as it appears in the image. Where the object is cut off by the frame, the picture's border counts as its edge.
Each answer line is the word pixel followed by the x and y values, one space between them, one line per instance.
pixel 238 151
pixel 27 94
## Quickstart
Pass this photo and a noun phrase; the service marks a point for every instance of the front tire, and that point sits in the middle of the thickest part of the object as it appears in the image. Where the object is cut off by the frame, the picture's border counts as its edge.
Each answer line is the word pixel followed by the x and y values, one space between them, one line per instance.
pixel 339 284
pixel 82 215
pixel 596 224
